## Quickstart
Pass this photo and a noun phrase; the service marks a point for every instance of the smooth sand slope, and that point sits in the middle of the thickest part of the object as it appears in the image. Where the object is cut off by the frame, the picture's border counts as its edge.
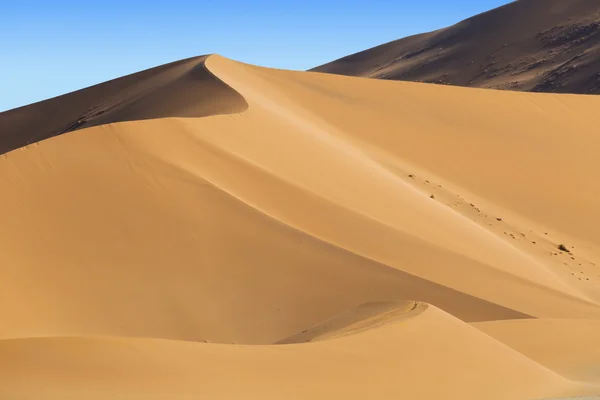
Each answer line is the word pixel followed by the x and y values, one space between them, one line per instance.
pixel 569 347
pixel 402 359
pixel 287 243
pixel 525 45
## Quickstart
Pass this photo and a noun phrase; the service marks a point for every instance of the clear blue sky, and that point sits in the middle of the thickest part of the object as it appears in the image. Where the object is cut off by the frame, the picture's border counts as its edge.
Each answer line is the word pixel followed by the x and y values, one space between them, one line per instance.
pixel 52 47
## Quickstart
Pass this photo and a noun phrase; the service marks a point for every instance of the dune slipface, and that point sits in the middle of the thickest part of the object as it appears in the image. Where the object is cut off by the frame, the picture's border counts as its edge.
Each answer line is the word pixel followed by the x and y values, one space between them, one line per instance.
pixel 180 89
pixel 299 234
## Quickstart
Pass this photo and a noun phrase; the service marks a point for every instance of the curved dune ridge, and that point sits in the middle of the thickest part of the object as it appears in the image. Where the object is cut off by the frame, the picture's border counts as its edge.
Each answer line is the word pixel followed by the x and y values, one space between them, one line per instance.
pixel 180 89
pixel 223 222
pixel 364 317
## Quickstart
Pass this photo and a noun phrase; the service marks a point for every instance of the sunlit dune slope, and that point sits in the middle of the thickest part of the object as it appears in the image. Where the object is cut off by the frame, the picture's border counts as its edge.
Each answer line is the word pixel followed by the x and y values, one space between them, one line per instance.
pixel 311 215
pixel 569 347
pixel 404 358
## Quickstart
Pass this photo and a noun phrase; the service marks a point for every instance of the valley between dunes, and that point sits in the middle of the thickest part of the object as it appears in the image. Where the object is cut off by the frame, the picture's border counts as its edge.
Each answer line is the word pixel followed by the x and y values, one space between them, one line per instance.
pixel 212 229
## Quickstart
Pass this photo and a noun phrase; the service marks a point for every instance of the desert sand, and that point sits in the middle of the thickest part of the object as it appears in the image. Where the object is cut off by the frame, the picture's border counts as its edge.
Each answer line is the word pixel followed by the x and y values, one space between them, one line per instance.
pixel 525 45
pixel 212 229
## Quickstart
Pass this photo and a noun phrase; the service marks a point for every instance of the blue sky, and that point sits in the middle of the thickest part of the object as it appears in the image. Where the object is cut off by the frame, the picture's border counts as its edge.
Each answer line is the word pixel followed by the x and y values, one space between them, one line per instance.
pixel 52 47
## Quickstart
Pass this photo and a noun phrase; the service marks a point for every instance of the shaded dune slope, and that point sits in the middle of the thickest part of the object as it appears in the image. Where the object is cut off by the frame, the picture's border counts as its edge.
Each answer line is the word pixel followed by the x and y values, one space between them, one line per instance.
pixel 307 208
pixel 180 89
pixel 526 45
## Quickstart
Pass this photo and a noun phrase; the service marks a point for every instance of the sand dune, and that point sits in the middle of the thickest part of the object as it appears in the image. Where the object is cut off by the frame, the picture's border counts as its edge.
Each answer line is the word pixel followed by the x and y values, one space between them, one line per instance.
pixel 289 236
pixel 525 45
pixel 387 362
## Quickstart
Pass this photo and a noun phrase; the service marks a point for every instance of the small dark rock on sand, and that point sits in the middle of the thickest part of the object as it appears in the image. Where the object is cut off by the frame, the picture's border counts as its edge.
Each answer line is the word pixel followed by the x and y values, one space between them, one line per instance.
pixel 562 247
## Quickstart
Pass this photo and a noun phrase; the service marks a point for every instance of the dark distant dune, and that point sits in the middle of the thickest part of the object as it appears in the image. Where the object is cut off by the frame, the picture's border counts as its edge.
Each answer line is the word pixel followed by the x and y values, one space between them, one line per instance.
pixel 180 89
pixel 526 45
